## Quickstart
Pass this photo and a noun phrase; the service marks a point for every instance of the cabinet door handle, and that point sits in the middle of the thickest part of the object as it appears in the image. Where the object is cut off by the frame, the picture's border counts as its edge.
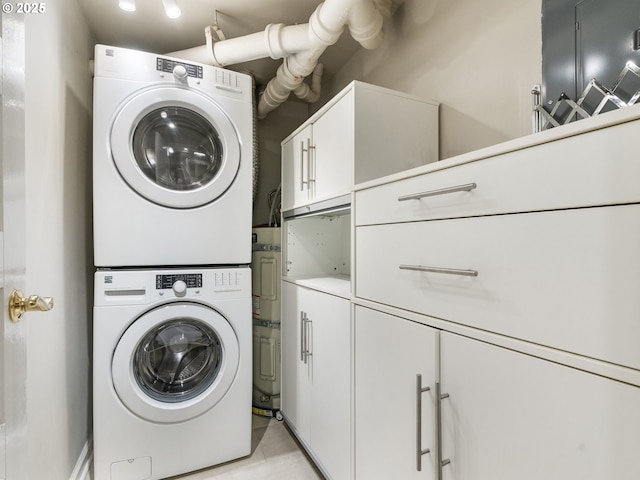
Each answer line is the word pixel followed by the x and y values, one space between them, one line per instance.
pixel 308 325
pixel 303 182
pixel 467 187
pixel 311 167
pixel 439 397
pixel 302 314
pixel 419 451
pixel 448 271
pixel 306 338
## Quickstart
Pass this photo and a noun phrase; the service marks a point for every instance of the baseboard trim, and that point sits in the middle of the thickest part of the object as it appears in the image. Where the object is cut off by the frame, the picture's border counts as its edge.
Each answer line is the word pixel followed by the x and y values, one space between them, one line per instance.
pixel 82 469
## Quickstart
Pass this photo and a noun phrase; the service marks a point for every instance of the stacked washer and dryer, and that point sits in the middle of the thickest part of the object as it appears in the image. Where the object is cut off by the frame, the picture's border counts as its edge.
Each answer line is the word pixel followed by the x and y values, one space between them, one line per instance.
pixel 172 193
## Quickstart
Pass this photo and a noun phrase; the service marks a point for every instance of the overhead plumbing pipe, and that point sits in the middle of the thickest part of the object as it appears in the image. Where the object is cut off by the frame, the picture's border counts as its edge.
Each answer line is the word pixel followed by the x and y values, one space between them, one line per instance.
pixel 299 45
pixel 276 41
pixel 325 27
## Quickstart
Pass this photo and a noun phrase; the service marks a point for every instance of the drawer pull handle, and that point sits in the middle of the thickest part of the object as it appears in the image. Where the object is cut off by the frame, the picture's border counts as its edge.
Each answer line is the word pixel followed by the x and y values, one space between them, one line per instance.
pixel 419 451
pixel 467 187
pixel 449 271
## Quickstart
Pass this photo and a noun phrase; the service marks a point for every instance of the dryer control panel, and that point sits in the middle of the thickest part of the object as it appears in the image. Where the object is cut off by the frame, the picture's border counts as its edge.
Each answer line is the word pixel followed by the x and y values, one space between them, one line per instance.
pixel 166 65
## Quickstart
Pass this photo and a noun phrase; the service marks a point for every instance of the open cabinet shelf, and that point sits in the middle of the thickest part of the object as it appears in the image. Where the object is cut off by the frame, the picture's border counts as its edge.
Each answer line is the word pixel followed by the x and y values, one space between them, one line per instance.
pixel 318 251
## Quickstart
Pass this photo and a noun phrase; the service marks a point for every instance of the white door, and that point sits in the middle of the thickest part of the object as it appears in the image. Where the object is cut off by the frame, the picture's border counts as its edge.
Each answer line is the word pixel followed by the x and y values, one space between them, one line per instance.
pixel 13 454
pixel 296 158
pixel 395 427
pixel 331 170
pixel 329 344
pixel 296 384
pixel 316 373
pixel 513 416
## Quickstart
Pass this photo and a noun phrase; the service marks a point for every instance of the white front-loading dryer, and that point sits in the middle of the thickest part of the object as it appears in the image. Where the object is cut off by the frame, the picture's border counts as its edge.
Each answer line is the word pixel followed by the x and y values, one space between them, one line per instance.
pixel 171 371
pixel 172 161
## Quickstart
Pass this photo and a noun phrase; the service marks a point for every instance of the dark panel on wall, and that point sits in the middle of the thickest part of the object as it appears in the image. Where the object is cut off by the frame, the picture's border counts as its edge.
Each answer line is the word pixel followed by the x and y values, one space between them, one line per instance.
pixel 558 49
pixel 585 39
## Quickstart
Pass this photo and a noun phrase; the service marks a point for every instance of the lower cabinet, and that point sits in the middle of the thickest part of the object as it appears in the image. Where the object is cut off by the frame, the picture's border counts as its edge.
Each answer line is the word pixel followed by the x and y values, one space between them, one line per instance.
pixel 500 414
pixel 510 415
pixel 394 421
pixel 316 375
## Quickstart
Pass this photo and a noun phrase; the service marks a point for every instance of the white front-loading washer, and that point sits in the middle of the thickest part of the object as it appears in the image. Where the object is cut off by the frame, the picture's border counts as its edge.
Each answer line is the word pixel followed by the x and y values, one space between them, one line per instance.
pixel 171 370
pixel 172 161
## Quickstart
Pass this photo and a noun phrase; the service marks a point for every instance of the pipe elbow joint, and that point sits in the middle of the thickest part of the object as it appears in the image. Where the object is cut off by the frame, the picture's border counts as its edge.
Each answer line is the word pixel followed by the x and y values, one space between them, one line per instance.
pixel 368 39
pixel 320 33
pixel 365 25
pixel 286 77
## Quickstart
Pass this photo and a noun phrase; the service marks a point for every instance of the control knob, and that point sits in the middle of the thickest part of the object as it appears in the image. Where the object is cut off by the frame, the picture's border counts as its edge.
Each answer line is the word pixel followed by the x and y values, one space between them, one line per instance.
pixel 180 72
pixel 180 288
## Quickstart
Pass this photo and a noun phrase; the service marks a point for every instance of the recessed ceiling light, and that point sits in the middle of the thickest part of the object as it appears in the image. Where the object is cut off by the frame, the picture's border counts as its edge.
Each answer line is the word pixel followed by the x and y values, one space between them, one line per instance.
pixel 171 8
pixel 127 5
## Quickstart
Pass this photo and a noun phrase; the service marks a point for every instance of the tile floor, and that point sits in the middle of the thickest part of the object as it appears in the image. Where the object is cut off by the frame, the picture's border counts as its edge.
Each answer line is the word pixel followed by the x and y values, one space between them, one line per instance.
pixel 275 455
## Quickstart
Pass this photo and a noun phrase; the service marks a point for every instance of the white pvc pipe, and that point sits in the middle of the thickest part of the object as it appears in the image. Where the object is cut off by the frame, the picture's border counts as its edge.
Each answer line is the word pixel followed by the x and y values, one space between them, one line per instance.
pixel 311 93
pixel 365 25
pixel 201 54
pixel 276 41
pixel 326 25
pixel 299 45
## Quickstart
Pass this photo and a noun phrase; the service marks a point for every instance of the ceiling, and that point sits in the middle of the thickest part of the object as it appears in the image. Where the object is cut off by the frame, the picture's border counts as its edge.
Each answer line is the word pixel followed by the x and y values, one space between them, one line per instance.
pixel 149 29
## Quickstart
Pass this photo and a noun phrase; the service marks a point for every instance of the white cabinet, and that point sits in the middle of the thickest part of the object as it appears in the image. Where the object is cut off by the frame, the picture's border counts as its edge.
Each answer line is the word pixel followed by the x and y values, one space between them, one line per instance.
pixel 364 132
pixel 501 414
pixel 316 375
pixel 512 416
pixel 528 279
pixel 391 354
pixel 317 160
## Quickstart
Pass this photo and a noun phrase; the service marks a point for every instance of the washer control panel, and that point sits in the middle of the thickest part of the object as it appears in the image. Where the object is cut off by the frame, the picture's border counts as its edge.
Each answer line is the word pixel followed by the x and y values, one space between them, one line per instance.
pixel 191 280
pixel 183 284
pixel 137 287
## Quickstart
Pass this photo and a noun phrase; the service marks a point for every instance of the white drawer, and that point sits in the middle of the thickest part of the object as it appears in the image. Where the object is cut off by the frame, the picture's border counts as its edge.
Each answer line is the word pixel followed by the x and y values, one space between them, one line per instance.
pixel 600 168
pixel 567 279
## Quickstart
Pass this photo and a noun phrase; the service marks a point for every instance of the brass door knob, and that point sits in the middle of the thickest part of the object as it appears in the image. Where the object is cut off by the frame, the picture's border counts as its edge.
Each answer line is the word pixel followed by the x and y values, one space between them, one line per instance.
pixel 18 304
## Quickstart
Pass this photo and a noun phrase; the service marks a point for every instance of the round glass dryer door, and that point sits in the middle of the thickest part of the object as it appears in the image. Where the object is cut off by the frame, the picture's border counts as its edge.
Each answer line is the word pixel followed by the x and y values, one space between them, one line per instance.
pixel 175 362
pixel 175 147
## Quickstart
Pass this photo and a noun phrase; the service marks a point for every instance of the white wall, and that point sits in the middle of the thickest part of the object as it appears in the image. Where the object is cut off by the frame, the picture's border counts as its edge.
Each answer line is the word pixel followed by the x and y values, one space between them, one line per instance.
pixel 58 249
pixel 478 58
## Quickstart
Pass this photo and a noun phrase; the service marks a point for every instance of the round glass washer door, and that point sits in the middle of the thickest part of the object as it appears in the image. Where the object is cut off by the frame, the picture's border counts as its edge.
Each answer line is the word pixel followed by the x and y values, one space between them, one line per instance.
pixel 175 147
pixel 175 362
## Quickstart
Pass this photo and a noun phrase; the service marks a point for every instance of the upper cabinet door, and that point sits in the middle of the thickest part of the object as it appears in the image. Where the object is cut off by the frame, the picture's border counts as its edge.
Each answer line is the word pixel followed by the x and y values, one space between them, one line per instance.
pixel 296 160
pixel 333 150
